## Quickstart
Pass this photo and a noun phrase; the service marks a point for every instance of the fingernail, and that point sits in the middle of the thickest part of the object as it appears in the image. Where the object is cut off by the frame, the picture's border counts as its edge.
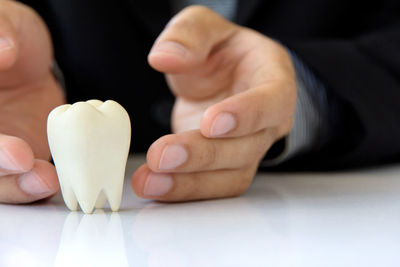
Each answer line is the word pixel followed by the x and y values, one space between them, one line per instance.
pixel 31 183
pixel 7 162
pixel 222 124
pixel 169 47
pixel 157 184
pixel 5 44
pixel 172 157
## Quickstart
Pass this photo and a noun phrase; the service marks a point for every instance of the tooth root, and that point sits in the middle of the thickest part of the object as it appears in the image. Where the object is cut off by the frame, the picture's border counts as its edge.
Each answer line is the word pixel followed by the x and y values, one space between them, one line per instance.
pixel 87 208
pixel 69 197
pixel 101 200
pixel 87 199
pixel 114 196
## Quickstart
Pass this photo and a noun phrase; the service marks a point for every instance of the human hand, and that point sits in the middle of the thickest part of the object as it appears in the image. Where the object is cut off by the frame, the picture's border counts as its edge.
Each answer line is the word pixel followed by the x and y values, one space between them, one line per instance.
pixel 235 96
pixel 28 92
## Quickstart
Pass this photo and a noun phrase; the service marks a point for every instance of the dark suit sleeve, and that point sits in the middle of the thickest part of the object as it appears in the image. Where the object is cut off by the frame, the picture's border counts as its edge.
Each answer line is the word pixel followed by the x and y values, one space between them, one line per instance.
pixel 362 77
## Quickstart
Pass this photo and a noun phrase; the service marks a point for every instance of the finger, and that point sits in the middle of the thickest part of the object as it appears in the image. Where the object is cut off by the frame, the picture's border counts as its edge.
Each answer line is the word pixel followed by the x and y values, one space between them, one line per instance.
pixel 38 183
pixel 191 186
pixel 248 112
pixel 188 40
pixel 16 156
pixel 8 43
pixel 192 152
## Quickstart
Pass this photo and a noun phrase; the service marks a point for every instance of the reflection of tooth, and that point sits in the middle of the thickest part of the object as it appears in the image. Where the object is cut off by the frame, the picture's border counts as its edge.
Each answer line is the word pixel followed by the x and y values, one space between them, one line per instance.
pixel 89 142
pixel 92 240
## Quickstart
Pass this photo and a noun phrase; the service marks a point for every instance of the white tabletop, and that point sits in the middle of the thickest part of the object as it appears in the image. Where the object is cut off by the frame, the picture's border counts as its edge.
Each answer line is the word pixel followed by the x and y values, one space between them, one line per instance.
pixel 323 219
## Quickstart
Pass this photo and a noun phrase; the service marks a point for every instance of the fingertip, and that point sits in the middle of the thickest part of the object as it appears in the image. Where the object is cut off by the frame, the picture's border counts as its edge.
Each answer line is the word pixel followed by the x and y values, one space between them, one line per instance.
pixel 206 122
pixel 166 63
pixel 155 151
pixel 47 172
pixel 41 181
pixel 170 57
pixel 7 53
pixel 150 185
pixel 218 123
pixel 15 154
pixel 139 178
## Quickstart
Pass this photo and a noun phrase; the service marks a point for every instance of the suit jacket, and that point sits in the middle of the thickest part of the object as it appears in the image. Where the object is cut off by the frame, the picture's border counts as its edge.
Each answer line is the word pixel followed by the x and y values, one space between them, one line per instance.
pixel 352 46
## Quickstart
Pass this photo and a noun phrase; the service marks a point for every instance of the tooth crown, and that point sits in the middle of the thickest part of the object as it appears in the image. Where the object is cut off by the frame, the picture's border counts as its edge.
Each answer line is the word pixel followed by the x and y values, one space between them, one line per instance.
pixel 89 142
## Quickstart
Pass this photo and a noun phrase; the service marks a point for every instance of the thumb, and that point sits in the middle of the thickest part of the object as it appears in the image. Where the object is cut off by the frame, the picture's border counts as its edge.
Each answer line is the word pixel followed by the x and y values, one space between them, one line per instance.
pixel 188 40
pixel 8 43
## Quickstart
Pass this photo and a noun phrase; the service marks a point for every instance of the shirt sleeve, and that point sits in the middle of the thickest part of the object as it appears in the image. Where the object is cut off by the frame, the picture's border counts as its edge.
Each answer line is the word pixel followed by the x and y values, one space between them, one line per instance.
pixel 311 128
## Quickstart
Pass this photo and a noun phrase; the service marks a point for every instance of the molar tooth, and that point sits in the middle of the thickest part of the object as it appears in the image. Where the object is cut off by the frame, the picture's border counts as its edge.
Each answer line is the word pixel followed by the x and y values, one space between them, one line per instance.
pixel 69 196
pixel 89 142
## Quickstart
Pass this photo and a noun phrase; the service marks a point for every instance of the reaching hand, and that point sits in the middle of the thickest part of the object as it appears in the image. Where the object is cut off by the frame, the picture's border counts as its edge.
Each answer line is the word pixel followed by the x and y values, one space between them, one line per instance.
pixel 28 91
pixel 235 96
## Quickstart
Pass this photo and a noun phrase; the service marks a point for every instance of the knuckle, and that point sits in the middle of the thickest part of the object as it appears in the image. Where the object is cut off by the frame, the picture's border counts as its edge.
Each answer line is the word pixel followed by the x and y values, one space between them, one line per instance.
pixel 287 126
pixel 244 183
pixel 291 95
pixel 196 10
pixel 185 189
pixel 189 16
pixel 283 129
pixel 181 23
pixel 258 118
pixel 208 155
pixel 261 143
pixel 194 188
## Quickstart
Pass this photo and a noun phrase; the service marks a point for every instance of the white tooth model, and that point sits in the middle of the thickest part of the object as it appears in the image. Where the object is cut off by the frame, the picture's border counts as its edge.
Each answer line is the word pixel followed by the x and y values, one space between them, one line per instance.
pixel 89 142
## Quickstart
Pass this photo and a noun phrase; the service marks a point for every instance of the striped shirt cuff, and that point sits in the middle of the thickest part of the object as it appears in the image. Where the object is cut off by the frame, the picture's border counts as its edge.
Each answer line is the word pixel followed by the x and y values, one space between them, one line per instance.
pixel 310 125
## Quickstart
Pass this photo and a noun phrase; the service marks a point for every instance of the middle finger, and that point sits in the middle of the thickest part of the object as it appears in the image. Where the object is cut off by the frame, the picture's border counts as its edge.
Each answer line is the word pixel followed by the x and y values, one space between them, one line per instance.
pixel 192 152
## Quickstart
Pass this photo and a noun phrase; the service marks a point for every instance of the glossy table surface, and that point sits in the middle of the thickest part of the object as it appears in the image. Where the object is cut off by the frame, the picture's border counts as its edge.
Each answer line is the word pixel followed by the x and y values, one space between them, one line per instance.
pixel 349 218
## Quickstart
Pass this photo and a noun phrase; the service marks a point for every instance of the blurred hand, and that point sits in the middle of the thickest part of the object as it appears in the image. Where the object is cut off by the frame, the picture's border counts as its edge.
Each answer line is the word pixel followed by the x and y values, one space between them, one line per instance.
pixel 235 96
pixel 28 92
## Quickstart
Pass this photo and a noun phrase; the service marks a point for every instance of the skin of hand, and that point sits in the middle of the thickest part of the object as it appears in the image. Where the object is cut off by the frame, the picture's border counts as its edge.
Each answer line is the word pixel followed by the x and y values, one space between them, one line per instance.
pixel 235 96
pixel 28 92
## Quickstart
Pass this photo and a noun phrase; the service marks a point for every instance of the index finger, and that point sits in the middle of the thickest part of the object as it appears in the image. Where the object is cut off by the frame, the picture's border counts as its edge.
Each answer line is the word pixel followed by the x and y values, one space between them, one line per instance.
pixel 266 106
